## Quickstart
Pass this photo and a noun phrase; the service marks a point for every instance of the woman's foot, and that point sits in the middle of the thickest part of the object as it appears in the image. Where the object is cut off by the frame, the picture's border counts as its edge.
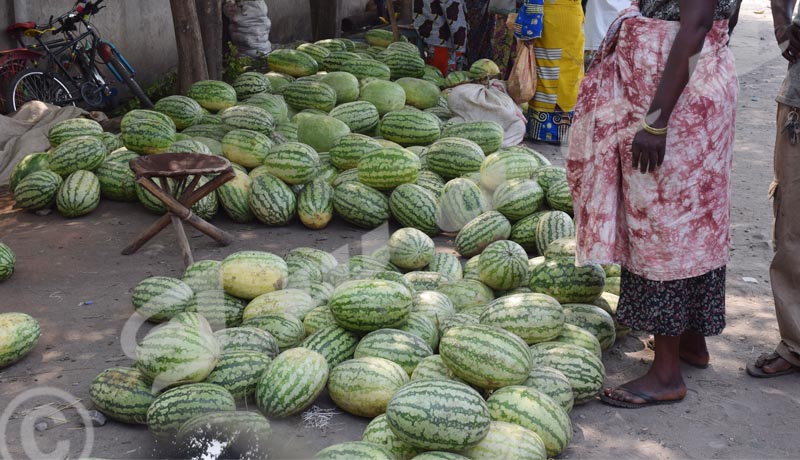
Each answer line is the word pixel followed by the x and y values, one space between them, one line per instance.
pixel 693 349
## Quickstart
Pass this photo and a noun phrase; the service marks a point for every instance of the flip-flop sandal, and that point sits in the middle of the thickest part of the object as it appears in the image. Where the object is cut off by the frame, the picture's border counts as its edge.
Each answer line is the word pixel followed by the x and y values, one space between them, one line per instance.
pixel 651 344
pixel 648 400
pixel 754 368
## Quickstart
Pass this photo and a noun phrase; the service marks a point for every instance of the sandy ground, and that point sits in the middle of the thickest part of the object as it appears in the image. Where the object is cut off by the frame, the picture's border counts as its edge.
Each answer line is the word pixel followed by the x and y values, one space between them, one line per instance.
pixel 73 280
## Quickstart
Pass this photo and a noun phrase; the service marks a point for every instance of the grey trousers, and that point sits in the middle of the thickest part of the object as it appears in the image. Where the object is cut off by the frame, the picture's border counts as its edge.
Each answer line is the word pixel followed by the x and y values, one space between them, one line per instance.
pixel 785 268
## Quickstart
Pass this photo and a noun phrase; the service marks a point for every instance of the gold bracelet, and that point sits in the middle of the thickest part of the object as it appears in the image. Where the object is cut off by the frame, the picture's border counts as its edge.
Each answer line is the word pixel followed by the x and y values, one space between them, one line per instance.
pixel 654 131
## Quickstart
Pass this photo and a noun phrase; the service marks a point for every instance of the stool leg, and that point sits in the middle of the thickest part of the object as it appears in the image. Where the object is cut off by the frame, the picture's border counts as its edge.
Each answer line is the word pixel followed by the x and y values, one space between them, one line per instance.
pixel 221 236
pixel 183 242
pixel 152 231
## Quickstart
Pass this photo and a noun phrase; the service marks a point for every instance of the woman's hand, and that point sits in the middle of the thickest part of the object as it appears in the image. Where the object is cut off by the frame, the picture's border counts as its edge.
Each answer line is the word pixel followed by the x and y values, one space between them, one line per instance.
pixel 648 151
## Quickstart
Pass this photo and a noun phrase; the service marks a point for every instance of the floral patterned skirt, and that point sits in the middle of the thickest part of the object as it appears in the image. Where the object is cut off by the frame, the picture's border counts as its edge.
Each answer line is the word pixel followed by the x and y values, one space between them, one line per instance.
pixel 672 307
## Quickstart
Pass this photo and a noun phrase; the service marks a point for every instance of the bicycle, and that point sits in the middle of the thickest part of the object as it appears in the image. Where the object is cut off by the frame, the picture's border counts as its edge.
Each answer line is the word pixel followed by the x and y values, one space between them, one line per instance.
pixel 70 72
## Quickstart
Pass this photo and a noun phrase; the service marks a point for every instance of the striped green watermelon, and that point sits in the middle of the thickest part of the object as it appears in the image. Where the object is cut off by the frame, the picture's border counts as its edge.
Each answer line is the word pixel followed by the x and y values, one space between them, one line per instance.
pixel 28 164
pixel 310 95
pixel 111 141
pixel 388 168
pixel 234 196
pixel 292 162
pixel 548 175
pixel 247 117
pixel 203 275
pixel 335 61
pixel 20 334
pixel 584 370
pixel 292 62
pixel 367 68
pixel 580 337
pixel 552 226
pixel 472 268
pixel 559 196
pixel 447 264
pixel 482 231
pixel 147 131
pixel 594 319
pixel 251 83
pixel 293 301
pixel 345 85
pixel 553 383
pixel 79 194
pixel 7 262
pixel 410 248
pixel 438 415
pixel 272 201
pixel 379 37
pixel 396 277
pixel 78 153
pixel 425 280
pixel 487 134
pixel 160 298
pixel 174 407
pixel 436 455
pixel 348 150
pixel 566 282
pixel 230 433
pixel 466 293
pixel 518 198
pixel 320 316
pixel 321 131
pixel 386 96
pixel 206 130
pixel 368 305
pixel 247 339
pixel 239 372
pixel 303 273
pixel 218 307
pixel 534 410
pixel 324 260
pixel 424 327
pixel 414 206
pixel 292 382
pixel 360 205
pixel 539 157
pixel 278 80
pixel 419 93
pixel 355 450
pixel 38 190
pixel 457 319
pixel 122 155
pixel 486 356
pixel 122 394
pixel 74 127
pixel 503 265
pixel 364 386
pixel 398 346
pixel 360 116
pixel 178 353
pixel 453 157
pixel 533 317
pixel 461 201
pixel 184 111
pixel 432 304
pixel 287 329
pixel 510 441
pixel 407 127
pixel 484 68
pixel 189 146
pixel 275 105
pixel 523 232
pixel 248 274
pixel 317 52
pixel 315 204
pixel 434 368
pixel 213 95
pixel 335 343
pixel 403 64
pixel 562 247
pixel 504 165
pixel 245 147
pixel 430 181
pixel 613 284
pixel 456 78
pixel 378 432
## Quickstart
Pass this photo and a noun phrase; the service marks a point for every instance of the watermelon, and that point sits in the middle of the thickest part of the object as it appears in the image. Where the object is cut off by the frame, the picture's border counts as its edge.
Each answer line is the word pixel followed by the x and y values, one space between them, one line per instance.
pixel 367 68
pixel 447 264
pixel 518 198
pixel 245 147
pixel 203 275
pixel 278 81
pixel 533 317
pixel 581 367
pixel 317 52
pixel 425 281
pixel 20 334
pixel 553 383
pixel 508 441
pixel 230 433
pixel 438 415
pixel 562 247
pixel 364 386
pixel 435 455
pixel 286 328
pixel 461 201
pixel 348 150
pixel 506 165
pixel 239 372
pixel 457 319
pixel 213 95
pixel 292 301
pixel 472 268
pixel 247 117
pixel 378 432
pixel 523 232
pixel 219 308
pixel 553 226
pixel 419 93
pixel 345 85
pixel 432 304
pixel 368 305
pixel 304 273
pixel 407 127
pixel 321 132
pixel 336 60
pixel 315 204
pixel 403 64
pixel 292 382
pixel 8 261
pixel 360 205
pixel 387 168
pixel 189 146
pixel 275 105
pixel 430 181
pixel 174 407
pixel 310 95
pixel 160 298
pixel 568 283
pixel 292 162
pixel 398 346
pixel 434 368
pixel 453 157
pixel 487 134
pixel 251 83
pixel 122 394
pixel 613 285
pixel 386 96
pixel 593 319
pixel 486 356
pixel 183 111
pixel 334 343
pixel 482 231
pixel 424 327
pixel 413 206
pixel 360 116
pixel 456 78
pixel 234 196
pixel 28 164
pixel 379 37
pixel 534 410
pixel 178 352
pixel 79 153
pixel 292 62
pixel 503 265
pixel 548 175
pixel 74 127
pixel 272 201
pixel 247 339
pixel 248 274
pixel 355 450
pixel 484 68
pixel 466 293
pixel 559 196
pixel 79 194
pixel 410 248
pixel 580 337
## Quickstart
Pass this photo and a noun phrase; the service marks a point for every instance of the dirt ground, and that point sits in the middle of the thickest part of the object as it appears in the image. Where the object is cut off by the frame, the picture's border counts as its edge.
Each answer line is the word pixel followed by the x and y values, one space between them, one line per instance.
pixel 72 278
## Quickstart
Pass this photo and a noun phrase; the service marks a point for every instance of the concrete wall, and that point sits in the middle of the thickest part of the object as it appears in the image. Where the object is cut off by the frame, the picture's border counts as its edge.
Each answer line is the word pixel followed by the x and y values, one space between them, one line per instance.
pixel 291 19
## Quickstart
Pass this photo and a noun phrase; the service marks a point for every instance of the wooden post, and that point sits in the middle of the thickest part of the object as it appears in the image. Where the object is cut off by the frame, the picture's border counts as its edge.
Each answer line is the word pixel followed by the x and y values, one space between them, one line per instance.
pixel 191 56
pixel 209 14
pixel 325 22
pixel 393 20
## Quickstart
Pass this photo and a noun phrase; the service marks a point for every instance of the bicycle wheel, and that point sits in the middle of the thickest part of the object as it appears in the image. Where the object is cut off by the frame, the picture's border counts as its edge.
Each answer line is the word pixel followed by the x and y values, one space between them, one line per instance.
pixel 131 82
pixel 37 85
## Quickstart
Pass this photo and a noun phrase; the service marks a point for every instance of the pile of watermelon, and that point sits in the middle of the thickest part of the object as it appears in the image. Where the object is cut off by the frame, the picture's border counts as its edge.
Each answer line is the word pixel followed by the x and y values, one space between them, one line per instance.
pixel 19 333
pixel 484 359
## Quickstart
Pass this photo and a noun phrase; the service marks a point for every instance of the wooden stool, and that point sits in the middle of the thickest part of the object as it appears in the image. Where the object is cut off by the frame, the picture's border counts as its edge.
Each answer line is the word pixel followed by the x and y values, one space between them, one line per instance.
pixel 180 167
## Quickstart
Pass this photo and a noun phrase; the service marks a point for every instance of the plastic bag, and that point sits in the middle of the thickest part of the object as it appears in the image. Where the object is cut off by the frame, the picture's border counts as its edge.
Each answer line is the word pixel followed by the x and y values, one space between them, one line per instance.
pixel 522 81
pixel 478 103
pixel 249 26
